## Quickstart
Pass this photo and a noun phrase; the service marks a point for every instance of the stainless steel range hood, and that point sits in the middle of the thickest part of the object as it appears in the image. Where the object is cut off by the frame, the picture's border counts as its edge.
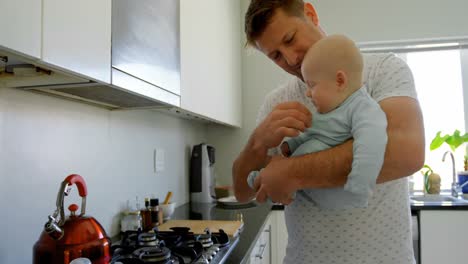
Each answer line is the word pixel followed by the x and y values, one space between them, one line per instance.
pixel 145 62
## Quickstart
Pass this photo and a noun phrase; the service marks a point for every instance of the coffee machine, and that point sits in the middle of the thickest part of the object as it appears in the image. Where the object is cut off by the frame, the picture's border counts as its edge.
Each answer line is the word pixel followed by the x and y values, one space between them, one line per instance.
pixel 202 178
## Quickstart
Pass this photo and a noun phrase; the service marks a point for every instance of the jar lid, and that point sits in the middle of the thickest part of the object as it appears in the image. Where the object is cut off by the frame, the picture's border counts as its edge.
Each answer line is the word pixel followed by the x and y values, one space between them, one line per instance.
pixel 154 202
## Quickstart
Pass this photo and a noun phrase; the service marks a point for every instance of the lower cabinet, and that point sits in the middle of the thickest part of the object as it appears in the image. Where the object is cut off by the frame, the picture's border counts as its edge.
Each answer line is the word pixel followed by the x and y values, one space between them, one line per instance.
pixel 443 236
pixel 279 237
pixel 270 247
pixel 261 252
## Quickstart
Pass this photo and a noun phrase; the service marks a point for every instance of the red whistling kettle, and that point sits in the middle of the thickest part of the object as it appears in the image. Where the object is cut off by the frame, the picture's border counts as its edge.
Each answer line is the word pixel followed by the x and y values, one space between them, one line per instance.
pixel 64 240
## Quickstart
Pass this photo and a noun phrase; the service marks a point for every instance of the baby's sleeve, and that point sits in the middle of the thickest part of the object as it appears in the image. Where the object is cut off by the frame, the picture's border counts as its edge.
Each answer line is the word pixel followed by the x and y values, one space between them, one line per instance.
pixel 295 142
pixel 369 130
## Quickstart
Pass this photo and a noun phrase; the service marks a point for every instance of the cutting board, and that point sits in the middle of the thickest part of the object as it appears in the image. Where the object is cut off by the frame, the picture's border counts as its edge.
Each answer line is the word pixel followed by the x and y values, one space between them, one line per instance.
pixel 232 228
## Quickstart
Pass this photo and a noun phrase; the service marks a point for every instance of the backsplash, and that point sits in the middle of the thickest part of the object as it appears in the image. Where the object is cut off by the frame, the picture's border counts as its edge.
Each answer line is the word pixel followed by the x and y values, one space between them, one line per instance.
pixel 44 139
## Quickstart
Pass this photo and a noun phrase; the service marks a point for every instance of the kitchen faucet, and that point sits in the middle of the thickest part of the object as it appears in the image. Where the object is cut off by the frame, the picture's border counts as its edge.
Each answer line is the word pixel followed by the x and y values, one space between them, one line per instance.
pixel 456 189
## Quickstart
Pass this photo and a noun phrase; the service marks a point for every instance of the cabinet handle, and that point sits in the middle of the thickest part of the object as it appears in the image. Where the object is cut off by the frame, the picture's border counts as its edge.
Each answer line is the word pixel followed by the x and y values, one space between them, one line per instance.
pixel 261 251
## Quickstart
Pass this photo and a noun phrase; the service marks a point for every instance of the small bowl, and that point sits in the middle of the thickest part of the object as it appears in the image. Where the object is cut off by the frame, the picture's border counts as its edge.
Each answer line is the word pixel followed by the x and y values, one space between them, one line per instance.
pixel 168 210
pixel 222 191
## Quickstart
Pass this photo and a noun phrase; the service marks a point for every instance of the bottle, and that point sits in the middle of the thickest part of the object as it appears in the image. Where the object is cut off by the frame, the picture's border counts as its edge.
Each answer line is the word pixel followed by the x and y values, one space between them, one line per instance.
pixel 160 217
pixel 146 215
pixel 154 212
pixel 131 220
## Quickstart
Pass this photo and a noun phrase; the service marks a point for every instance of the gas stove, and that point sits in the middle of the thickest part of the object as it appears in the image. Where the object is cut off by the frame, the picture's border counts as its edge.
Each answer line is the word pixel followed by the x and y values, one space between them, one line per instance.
pixel 179 246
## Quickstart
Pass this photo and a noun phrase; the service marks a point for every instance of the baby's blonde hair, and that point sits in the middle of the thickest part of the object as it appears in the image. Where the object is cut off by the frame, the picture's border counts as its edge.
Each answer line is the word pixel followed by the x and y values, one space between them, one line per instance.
pixel 332 54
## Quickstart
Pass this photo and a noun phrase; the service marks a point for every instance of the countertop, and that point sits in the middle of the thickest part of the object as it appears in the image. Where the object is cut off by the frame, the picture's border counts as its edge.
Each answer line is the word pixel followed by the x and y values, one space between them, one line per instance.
pixel 459 204
pixel 253 217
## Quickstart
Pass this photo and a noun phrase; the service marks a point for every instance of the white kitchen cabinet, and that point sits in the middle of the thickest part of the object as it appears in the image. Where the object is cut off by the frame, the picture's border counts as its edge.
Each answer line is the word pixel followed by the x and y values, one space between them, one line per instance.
pixel 210 43
pixel 279 236
pixel 443 236
pixel 262 250
pixel 77 36
pixel 21 30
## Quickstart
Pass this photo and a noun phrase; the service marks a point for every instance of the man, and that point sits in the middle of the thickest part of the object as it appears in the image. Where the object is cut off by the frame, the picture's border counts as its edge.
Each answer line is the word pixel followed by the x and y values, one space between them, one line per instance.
pixel 284 30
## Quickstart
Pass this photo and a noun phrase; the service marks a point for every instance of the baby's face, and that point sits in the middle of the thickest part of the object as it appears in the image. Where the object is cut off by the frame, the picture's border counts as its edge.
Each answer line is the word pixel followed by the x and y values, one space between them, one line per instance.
pixel 322 91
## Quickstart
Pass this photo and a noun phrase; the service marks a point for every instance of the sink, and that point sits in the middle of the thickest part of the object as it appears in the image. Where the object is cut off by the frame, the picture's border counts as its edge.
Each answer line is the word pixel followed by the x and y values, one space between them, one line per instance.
pixel 435 198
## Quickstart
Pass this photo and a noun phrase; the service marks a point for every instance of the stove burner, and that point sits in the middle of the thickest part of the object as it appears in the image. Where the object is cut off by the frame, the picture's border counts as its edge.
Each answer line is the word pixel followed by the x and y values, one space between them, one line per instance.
pixel 153 254
pixel 206 243
pixel 179 246
pixel 147 239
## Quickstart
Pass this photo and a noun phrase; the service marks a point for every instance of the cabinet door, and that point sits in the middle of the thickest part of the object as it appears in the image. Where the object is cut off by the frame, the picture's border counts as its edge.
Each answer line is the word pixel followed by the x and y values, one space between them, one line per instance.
pixel 443 236
pixel 210 59
pixel 20 29
pixel 261 252
pixel 279 237
pixel 77 36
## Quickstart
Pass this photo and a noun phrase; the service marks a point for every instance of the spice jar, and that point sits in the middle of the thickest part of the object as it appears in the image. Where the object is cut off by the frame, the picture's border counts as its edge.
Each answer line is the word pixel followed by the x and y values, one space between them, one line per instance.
pixel 131 221
pixel 154 212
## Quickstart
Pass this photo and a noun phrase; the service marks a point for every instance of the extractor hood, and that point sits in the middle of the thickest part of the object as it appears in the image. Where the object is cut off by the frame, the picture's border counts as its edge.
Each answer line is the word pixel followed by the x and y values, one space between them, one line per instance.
pixel 145 62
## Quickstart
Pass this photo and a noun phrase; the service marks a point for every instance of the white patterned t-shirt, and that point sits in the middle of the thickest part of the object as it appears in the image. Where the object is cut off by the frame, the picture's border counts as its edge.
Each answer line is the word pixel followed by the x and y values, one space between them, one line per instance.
pixel 380 233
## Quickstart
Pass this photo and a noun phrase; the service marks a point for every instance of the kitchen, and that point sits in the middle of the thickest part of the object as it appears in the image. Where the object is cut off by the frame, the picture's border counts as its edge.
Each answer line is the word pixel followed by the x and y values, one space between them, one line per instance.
pixel 43 139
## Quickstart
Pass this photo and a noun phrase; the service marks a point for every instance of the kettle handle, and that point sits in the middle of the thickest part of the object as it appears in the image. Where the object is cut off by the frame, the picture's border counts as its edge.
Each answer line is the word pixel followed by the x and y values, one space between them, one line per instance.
pixel 57 219
pixel 65 188
pixel 80 183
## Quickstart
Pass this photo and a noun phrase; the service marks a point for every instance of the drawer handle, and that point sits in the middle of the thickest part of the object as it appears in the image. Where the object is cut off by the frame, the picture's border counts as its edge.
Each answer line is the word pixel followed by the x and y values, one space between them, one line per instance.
pixel 261 251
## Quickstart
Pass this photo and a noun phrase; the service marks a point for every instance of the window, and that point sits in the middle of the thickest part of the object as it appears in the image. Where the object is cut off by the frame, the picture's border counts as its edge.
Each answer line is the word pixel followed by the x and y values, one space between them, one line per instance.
pixel 438 70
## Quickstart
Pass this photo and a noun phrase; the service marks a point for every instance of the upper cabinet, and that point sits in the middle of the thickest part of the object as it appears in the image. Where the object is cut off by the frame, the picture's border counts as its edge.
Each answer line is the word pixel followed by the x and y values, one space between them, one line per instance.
pixel 21 26
pixel 77 36
pixel 145 41
pixel 180 55
pixel 210 59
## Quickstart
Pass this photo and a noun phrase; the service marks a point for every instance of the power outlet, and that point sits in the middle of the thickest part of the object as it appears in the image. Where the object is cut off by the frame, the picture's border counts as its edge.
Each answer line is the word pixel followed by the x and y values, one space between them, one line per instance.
pixel 159 159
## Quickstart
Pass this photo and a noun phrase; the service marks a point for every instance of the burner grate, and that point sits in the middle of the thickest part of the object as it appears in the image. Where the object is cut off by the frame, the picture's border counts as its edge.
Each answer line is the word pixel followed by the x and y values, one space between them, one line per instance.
pixel 179 246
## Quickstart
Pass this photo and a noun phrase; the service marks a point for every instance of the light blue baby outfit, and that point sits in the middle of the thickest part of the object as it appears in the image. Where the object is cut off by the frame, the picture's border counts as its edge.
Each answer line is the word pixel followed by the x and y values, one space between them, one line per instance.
pixel 358 117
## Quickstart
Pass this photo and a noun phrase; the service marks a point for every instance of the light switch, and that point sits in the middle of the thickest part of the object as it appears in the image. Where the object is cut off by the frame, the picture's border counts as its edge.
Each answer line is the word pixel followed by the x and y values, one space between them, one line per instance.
pixel 159 159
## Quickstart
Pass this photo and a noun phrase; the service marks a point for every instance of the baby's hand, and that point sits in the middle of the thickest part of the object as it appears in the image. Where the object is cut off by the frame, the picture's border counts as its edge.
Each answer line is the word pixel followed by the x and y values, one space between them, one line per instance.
pixel 285 149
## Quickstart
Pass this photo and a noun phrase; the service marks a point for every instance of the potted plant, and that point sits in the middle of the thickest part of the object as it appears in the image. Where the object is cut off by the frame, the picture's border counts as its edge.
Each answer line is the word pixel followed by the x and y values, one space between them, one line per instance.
pixel 431 180
pixel 454 141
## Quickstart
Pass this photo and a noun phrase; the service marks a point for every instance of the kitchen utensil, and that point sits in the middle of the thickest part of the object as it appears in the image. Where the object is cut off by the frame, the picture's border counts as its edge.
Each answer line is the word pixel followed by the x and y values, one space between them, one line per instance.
pixel 167 210
pixel 222 191
pixel 202 178
pixel 231 202
pixel 232 228
pixel 77 236
pixel 168 197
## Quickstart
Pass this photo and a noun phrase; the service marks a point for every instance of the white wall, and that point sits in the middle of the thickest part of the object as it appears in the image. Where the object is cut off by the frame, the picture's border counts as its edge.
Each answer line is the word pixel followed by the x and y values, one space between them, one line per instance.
pixel 44 139
pixel 369 20
pixel 259 76
pixel 362 20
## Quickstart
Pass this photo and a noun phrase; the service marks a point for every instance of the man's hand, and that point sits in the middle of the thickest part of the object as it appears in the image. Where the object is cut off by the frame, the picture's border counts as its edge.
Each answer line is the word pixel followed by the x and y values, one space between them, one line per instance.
pixel 272 182
pixel 286 120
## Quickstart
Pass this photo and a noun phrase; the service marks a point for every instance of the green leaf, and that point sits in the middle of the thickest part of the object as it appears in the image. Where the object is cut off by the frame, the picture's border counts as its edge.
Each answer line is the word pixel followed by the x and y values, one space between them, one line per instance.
pixel 438 141
pixel 426 183
pixel 465 137
pixel 426 170
pixel 455 140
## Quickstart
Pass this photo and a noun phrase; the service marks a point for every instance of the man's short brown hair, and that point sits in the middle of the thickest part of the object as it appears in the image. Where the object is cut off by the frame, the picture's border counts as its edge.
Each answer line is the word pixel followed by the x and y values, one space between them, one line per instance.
pixel 260 12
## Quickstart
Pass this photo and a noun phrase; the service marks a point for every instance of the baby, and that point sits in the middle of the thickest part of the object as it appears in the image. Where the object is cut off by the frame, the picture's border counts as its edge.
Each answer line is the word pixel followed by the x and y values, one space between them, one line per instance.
pixel 332 70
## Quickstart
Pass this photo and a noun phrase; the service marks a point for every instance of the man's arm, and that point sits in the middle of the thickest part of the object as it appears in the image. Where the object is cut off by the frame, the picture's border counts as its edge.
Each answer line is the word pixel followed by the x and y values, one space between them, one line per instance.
pixel 285 120
pixel 405 148
pixel 329 168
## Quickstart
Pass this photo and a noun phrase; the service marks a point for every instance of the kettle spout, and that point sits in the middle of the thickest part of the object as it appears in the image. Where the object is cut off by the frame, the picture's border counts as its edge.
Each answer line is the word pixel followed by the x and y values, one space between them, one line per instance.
pixel 52 229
